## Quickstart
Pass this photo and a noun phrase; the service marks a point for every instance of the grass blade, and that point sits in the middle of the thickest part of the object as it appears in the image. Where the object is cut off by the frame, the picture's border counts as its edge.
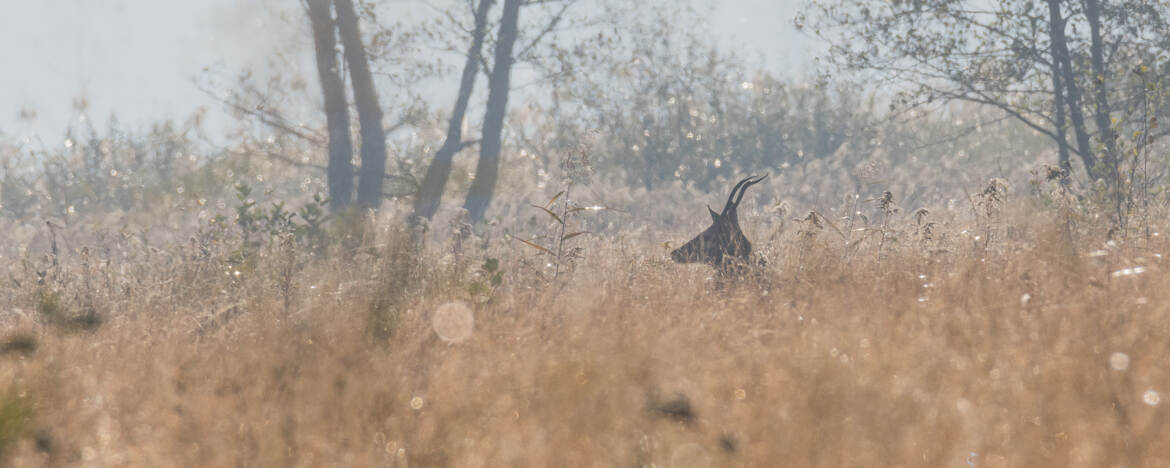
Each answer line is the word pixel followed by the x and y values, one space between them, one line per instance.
pixel 575 234
pixel 554 198
pixel 550 213
pixel 537 247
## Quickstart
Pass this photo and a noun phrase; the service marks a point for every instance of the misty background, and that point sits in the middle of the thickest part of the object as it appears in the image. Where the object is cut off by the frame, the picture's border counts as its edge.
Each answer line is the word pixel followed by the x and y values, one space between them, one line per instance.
pixel 651 107
pixel 138 59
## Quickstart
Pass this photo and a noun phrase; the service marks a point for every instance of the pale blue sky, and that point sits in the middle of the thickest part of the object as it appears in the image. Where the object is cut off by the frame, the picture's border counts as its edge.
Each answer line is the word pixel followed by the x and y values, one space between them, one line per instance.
pixel 137 58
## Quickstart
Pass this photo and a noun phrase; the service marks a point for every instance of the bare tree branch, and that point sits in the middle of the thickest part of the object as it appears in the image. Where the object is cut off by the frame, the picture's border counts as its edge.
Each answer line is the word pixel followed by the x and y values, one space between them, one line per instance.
pixel 269 118
pixel 552 24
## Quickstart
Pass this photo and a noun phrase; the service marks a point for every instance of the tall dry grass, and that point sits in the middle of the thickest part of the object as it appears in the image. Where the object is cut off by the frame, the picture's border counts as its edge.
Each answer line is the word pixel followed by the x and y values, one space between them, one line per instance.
pixel 1013 339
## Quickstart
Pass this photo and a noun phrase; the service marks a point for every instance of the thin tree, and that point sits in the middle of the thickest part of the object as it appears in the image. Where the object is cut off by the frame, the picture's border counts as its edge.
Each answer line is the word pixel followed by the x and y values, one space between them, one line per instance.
pixel 1100 76
pixel 1058 117
pixel 1063 67
pixel 373 149
pixel 487 171
pixel 431 190
pixel 1002 54
pixel 340 169
pixel 1064 85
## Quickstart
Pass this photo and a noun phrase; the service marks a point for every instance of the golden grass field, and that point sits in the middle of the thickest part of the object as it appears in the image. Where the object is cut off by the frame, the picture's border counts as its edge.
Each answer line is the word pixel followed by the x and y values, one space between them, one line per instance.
pixel 1042 346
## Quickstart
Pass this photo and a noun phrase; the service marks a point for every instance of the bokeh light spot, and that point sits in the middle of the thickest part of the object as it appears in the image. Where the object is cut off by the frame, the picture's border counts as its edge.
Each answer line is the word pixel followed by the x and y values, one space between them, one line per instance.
pixel 1119 361
pixel 453 321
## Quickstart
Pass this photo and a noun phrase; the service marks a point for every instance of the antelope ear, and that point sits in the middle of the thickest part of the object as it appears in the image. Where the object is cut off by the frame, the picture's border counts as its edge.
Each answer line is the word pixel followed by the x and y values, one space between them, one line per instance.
pixel 714 215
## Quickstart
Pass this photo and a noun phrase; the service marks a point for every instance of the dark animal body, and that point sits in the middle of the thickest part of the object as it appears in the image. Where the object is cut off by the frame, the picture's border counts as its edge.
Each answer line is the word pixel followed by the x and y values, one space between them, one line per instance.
pixel 722 245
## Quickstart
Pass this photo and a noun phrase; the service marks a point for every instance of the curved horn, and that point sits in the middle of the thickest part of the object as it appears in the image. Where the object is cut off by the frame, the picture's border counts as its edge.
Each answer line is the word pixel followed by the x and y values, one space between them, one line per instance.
pixel 730 204
pixel 745 187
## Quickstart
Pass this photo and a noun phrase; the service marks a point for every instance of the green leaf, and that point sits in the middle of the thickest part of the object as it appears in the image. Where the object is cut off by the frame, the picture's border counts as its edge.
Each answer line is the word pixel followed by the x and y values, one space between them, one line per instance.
pixel 490 265
pixel 478 288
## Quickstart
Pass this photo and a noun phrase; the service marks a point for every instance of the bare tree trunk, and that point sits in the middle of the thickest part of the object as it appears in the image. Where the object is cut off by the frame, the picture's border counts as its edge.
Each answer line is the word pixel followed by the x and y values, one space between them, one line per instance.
pixel 487 171
pixel 1101 97
pixel 340 170
pixel 365 97
pixel 1058 106
pixel 1064 61
pixel 1059 121
pixel 431 191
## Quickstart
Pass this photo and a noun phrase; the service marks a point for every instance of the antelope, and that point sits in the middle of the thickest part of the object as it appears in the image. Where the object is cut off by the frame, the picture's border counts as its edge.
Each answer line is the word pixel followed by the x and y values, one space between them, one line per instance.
pixel 722 245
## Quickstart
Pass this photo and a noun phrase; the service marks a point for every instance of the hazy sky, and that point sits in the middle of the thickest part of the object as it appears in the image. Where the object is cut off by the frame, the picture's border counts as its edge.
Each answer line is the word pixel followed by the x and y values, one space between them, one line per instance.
pixel 138 58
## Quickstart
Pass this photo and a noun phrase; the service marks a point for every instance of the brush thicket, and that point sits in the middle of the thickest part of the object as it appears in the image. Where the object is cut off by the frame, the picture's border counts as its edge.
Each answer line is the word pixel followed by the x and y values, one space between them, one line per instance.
pixel 1010 340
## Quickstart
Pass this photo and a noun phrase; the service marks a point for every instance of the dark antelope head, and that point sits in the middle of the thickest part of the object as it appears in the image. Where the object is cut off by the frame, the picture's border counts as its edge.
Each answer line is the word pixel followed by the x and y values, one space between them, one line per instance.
pixel 723 243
